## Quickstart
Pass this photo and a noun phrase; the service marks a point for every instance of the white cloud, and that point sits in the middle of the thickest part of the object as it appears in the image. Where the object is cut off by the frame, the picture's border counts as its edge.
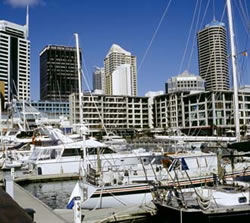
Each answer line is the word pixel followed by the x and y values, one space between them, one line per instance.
pixel 23 3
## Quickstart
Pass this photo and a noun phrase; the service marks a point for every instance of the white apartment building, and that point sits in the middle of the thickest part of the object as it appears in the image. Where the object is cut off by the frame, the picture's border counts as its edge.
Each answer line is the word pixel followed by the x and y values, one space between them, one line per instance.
pixel 121 80
pixel 111 112
pixel 15 60
pixel 116 57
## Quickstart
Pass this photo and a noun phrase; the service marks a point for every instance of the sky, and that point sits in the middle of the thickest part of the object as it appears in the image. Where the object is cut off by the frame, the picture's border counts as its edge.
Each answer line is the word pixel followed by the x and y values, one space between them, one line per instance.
pixel 160 33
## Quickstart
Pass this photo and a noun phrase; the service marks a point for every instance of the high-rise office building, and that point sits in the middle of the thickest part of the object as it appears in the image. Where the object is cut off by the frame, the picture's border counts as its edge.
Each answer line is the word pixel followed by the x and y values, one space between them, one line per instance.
pixel 212 53
pixel 15 60
pixel 58 73
pixel 99 79
pixel 116 57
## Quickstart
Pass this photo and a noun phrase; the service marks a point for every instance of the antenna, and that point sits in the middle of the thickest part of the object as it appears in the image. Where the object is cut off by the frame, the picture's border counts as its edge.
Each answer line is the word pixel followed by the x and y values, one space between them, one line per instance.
pixel 27 22
pixel 214 10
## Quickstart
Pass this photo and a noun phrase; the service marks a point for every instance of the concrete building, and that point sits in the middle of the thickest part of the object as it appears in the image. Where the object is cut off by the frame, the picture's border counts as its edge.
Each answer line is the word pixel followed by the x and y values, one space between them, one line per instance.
pixel 185 82
pixel 58 73
pixel 15 60
pixel 113 112
pixel 212 53
pixel 121 80
pixel 99 79
pixel 202 113
pixel 116 57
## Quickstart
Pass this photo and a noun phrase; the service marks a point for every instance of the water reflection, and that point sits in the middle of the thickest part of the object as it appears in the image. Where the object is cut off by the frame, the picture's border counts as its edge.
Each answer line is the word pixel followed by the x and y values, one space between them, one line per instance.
pixel 54 194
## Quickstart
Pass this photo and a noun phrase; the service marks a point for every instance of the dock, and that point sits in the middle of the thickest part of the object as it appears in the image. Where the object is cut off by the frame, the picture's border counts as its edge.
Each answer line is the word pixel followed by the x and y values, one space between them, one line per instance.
pixel 119 214
pixel 44 214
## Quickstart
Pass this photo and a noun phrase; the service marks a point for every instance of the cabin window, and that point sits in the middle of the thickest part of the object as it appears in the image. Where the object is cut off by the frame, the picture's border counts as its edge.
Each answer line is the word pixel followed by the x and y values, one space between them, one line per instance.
pixel 184 165
pixel 72 152
pixel 24 135
pixel 242 199
pixel 93 151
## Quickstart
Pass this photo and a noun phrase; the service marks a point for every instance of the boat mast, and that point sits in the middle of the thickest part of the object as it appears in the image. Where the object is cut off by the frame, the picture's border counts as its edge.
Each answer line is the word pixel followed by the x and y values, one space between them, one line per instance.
pixel 235 82
pixel 79 77
pixel 82 127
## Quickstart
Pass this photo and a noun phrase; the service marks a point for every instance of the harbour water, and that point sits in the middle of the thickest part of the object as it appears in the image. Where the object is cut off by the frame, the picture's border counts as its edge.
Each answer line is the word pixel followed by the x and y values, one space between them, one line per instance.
pixel 54 194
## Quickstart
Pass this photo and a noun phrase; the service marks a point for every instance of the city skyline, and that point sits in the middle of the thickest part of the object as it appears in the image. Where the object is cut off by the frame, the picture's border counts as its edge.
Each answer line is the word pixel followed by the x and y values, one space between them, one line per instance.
pixel 130 24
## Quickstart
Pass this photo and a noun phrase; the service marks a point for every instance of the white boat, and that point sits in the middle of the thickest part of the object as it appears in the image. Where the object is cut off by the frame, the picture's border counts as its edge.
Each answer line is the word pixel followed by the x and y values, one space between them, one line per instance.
pixel 204 204
pixel 67 158
pixel 132 184
pixel 67 155
pixel 115 141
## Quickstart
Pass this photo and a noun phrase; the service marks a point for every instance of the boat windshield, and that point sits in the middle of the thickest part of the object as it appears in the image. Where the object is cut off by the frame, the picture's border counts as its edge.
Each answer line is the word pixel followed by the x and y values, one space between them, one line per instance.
pixel 27 134
pixel 45 154
pixel 11 133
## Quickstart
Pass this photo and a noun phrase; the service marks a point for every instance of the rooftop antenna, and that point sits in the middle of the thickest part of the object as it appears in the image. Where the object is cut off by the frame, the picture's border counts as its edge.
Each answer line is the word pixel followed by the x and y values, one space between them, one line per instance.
pixel 27 22
pixel 214 19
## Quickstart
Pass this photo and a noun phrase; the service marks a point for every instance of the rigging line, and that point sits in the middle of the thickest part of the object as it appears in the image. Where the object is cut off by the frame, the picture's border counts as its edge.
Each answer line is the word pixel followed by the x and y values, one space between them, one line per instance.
pixel 92 97
pixel 244 63
pixel 237 46
pixel 246 10
pixel 196 29
pixel 205 13
pixel 245 15
pixel 202 21
pixel 189 35
pixel 154 35
pixel 87 84
pixel 244 19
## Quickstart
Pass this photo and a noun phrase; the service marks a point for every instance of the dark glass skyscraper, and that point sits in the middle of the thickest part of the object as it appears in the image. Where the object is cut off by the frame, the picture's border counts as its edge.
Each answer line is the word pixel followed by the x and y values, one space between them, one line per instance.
pixel 58 73
pixel 213 61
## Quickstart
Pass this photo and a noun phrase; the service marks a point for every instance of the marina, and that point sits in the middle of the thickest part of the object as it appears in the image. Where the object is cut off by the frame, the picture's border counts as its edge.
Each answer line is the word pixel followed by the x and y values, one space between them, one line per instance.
pixel 108 155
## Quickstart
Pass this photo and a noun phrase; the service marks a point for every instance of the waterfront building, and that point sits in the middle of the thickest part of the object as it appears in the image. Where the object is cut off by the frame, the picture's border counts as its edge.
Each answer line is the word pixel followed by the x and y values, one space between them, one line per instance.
pixel 202 113
pixel 99 79
pixel 151 95
pixel 58 73
pixel 15 60
pixel 185 82
pixel 212 56
pixel 121 80
pixel 116 57
pixel 112 112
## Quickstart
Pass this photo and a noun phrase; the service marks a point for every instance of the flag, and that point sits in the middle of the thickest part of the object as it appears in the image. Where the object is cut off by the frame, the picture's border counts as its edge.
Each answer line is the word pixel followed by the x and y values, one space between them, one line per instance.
pixel 244 53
